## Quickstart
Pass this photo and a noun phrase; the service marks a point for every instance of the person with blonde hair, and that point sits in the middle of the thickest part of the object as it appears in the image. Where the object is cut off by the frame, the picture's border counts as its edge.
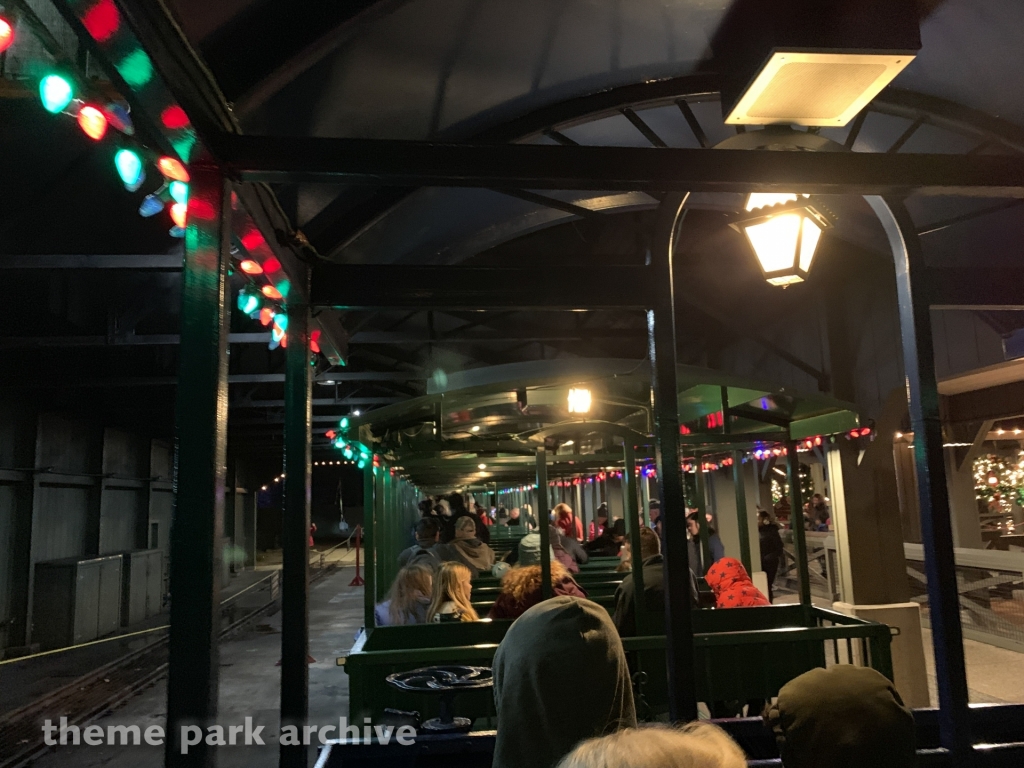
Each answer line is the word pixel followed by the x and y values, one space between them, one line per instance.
pixel 697 745
pixel 408 598
pixel 453 590
pixel 521 589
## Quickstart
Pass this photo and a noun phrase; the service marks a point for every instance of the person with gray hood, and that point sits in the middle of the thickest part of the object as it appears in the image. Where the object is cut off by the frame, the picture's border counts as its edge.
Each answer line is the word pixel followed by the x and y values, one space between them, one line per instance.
pixel 564 641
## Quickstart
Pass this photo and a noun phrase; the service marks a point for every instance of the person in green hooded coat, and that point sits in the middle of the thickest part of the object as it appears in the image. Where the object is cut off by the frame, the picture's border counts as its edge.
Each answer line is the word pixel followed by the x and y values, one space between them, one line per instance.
pixel 560 676
pixel 843 717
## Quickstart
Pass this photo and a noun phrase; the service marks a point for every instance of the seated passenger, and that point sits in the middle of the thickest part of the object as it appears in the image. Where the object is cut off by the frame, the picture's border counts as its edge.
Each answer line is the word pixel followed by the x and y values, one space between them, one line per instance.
pixel 697 745
pixel 732 586
pixel 521 589
pixel 624 616
pixel 567 522
pixel 425 549
pixel 467 548
pixel 843 717
pixel 560 676
pixel 697 563
pixel 452 595
pixel 408 598
pixel 609 543
pixel 460 507
pixel 600 519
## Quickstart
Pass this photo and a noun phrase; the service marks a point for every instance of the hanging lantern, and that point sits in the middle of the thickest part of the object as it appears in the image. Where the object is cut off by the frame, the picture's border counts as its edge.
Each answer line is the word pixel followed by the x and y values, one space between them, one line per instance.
pixel 784 235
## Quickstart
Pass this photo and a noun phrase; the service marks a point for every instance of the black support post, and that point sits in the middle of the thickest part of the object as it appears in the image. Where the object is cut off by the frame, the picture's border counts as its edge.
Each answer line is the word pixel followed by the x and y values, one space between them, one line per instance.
pixel 545 525
pixel 701 504
pixel 631 511
pixel 912 290
pixel 796 521
pixel 661 327
pixel 199 467
pixel 741 510
pixel 295 535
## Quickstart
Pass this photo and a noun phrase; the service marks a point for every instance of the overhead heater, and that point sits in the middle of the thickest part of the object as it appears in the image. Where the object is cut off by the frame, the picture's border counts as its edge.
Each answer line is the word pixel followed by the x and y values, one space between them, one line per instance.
pixel 810 62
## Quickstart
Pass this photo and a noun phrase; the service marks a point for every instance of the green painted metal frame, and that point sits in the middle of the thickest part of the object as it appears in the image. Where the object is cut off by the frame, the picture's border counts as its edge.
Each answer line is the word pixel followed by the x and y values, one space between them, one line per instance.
pixel 200 468
pixel 796 522
pixel 741 510
pixel 295 532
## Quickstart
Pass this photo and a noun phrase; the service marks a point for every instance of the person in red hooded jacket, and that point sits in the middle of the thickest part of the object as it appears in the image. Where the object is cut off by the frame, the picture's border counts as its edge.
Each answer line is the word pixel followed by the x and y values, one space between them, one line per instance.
pixel 732 586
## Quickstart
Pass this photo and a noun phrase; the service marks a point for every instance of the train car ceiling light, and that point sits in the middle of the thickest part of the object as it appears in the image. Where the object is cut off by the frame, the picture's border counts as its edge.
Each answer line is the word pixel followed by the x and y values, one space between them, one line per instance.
pixel 579 400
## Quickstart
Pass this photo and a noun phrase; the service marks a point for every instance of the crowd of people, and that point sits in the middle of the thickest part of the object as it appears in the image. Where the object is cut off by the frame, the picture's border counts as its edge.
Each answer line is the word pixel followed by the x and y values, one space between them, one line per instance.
pixel 849 716
pixel 454 531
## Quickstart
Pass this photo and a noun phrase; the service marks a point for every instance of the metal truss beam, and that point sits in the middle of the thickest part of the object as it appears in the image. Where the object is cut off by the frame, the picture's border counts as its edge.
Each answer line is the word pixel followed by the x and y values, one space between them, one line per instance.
pixel 385 337
pixel 320 402
pixel 535 166
pixel 130 340
pixel 156 262
pixel 372 286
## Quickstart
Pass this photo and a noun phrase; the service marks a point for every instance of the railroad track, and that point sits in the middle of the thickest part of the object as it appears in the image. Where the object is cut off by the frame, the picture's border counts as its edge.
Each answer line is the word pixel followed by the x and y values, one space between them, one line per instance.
pixel 102 689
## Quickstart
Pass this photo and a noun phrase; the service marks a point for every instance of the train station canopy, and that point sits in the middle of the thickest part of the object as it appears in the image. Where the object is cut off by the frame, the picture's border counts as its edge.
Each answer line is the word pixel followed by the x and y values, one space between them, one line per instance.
pixel 491 73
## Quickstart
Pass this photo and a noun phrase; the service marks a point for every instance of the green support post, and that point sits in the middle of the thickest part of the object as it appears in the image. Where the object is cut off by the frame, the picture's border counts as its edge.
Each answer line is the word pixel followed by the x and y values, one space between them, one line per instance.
pixel 702 519
pixel 542 521
pixel 631 511
pixel 796 520
pixel 295 534
pixel 200 469
pixel 741 510
pixel 369 534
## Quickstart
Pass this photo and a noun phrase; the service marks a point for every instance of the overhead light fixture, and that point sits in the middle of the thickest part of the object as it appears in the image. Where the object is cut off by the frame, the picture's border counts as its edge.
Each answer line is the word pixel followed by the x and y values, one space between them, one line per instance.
pixel 356 412
pixel 481 466
pixel 815 88
pixel 579 400
pixel 475 428
pixel 784 232
pixel 795 62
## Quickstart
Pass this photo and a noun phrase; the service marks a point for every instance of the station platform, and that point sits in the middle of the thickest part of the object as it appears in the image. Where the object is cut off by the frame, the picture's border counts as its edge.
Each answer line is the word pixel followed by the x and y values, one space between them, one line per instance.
pixel 249 683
